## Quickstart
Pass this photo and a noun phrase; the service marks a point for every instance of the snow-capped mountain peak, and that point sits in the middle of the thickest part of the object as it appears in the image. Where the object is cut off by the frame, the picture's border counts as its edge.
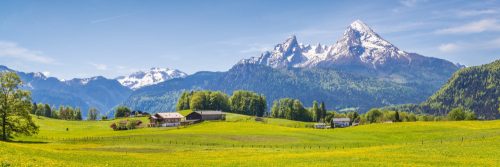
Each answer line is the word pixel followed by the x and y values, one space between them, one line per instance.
pixel 358 25
pixel 359 45
pixel 152 76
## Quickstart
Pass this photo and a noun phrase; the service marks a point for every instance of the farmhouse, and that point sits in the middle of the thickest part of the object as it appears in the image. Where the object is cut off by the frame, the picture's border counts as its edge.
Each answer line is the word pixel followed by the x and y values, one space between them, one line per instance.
pixel 340 122
pixel 206 115
pixel 165 119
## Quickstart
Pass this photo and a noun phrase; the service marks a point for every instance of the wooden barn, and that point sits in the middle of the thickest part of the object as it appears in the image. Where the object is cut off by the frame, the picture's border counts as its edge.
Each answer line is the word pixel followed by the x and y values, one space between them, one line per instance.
pixel 206 115
pixel 165 119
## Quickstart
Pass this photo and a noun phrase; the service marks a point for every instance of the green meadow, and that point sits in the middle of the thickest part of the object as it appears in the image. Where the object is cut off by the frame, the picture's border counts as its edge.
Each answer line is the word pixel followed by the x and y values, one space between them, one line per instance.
pixel 242 141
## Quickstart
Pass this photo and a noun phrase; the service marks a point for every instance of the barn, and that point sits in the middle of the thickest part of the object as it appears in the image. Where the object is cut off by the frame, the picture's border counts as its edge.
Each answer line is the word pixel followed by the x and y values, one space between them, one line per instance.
pixel 206 115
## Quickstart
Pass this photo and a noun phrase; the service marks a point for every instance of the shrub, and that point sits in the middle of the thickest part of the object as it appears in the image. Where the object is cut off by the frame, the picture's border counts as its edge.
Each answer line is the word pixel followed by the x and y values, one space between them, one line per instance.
pixel 469 115
pixel 126 124
pixel 457 114
pixel 373 116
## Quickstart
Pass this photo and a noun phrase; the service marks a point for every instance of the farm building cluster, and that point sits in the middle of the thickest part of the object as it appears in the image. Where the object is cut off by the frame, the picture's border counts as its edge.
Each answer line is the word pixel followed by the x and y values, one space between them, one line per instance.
pixel 336 123
pixel 168 119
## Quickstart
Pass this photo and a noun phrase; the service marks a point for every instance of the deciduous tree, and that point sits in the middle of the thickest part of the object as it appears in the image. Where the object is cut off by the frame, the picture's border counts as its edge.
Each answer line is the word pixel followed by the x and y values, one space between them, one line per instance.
pixel 15 107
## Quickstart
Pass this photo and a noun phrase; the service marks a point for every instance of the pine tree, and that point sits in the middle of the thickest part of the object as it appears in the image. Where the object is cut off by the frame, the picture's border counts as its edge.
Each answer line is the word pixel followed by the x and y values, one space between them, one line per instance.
pixel 47 111
pixel 78 114
pixel 316 111
pixel 396 116
pixel 33 110
pixel 322 107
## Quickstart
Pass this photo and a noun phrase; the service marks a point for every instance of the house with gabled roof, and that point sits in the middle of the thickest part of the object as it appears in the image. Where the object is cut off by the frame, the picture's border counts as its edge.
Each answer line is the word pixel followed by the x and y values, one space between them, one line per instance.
pixel 165 119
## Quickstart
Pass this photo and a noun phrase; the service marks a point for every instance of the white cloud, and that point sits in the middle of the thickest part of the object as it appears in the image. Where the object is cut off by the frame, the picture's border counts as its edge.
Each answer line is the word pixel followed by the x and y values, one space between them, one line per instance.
pixel 13 50
pixel 466 13
pixel 99 66
pixel 448 47
pixel 474 27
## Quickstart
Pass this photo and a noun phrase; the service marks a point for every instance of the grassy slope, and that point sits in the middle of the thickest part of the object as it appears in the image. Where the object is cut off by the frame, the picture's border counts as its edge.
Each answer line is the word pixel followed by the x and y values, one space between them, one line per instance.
pixel 242 141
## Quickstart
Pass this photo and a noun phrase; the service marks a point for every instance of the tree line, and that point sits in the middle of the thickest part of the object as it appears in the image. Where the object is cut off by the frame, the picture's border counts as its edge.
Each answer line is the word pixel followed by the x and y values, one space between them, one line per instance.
pixel 293 109
pixel 64 112
pixel 240 102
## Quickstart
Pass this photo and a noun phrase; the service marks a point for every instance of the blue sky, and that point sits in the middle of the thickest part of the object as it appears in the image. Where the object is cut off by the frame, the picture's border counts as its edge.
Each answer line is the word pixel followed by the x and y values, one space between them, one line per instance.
pixel 68 39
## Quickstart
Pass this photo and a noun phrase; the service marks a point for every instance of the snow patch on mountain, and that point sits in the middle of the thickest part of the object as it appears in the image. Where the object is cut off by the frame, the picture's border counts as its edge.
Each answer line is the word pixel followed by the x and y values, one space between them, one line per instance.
pixel 149 77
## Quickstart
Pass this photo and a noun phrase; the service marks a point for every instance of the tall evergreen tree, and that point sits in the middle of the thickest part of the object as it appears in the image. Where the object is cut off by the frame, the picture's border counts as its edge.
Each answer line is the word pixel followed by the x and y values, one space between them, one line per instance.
pixel 78 114
pixel 47 111
pixel 33 110
pixel 396 117
pixel 316 111
pixel 322 107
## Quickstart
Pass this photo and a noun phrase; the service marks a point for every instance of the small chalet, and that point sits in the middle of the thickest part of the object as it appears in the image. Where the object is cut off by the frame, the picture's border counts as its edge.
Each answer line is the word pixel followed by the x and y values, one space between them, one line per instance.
pixel 340 122
pixel 206 115
pixel 165 119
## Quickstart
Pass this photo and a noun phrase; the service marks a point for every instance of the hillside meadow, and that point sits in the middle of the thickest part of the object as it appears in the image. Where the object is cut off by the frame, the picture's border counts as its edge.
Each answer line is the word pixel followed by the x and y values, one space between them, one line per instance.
pixel 241 141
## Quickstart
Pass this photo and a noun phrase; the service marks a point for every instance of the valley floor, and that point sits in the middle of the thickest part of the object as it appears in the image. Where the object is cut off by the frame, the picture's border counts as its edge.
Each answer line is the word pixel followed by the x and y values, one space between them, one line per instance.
pixel 241 141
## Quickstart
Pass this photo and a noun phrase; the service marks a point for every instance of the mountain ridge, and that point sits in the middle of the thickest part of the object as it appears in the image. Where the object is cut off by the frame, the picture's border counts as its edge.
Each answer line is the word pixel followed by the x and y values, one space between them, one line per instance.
pixel 359 46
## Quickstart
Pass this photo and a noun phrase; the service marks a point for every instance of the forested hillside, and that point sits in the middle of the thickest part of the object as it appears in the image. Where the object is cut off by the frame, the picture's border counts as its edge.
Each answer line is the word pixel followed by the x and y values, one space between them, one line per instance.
pixel 340 89
pixel 474 88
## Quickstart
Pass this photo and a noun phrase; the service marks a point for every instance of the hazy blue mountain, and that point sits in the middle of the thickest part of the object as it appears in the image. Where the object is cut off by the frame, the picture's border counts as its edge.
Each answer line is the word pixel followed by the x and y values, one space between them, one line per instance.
pixel 98 92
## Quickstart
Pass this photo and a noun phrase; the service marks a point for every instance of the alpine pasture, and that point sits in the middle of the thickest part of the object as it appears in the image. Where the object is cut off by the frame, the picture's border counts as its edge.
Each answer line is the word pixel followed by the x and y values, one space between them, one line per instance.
pixel 242 141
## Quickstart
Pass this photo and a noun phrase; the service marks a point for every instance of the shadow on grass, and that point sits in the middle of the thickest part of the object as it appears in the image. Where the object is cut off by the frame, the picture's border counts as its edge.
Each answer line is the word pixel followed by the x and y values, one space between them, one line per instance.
pixel 26 142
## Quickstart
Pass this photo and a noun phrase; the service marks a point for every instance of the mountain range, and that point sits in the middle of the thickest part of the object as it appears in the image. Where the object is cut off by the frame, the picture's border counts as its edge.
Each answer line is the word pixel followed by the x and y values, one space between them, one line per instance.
pixel 359 71
pixel 150 77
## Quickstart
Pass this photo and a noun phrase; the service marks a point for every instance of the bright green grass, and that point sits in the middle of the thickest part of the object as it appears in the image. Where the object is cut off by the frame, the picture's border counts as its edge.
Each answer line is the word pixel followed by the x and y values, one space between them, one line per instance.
pixel 240 141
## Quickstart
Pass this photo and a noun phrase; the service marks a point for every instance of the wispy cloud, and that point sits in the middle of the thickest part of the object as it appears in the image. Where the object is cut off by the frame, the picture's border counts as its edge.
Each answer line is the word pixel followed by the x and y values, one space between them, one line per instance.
pixel 98 66
pixel 102 20
pixel 476 12
pixel 410 3
pixel 13 50
pixel 448 47
pixel 255 49
pixel 474 27
pixel 454 47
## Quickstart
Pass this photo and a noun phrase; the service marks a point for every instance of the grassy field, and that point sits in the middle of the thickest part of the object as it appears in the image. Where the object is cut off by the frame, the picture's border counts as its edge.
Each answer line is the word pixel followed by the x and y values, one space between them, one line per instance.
pixel 241 141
